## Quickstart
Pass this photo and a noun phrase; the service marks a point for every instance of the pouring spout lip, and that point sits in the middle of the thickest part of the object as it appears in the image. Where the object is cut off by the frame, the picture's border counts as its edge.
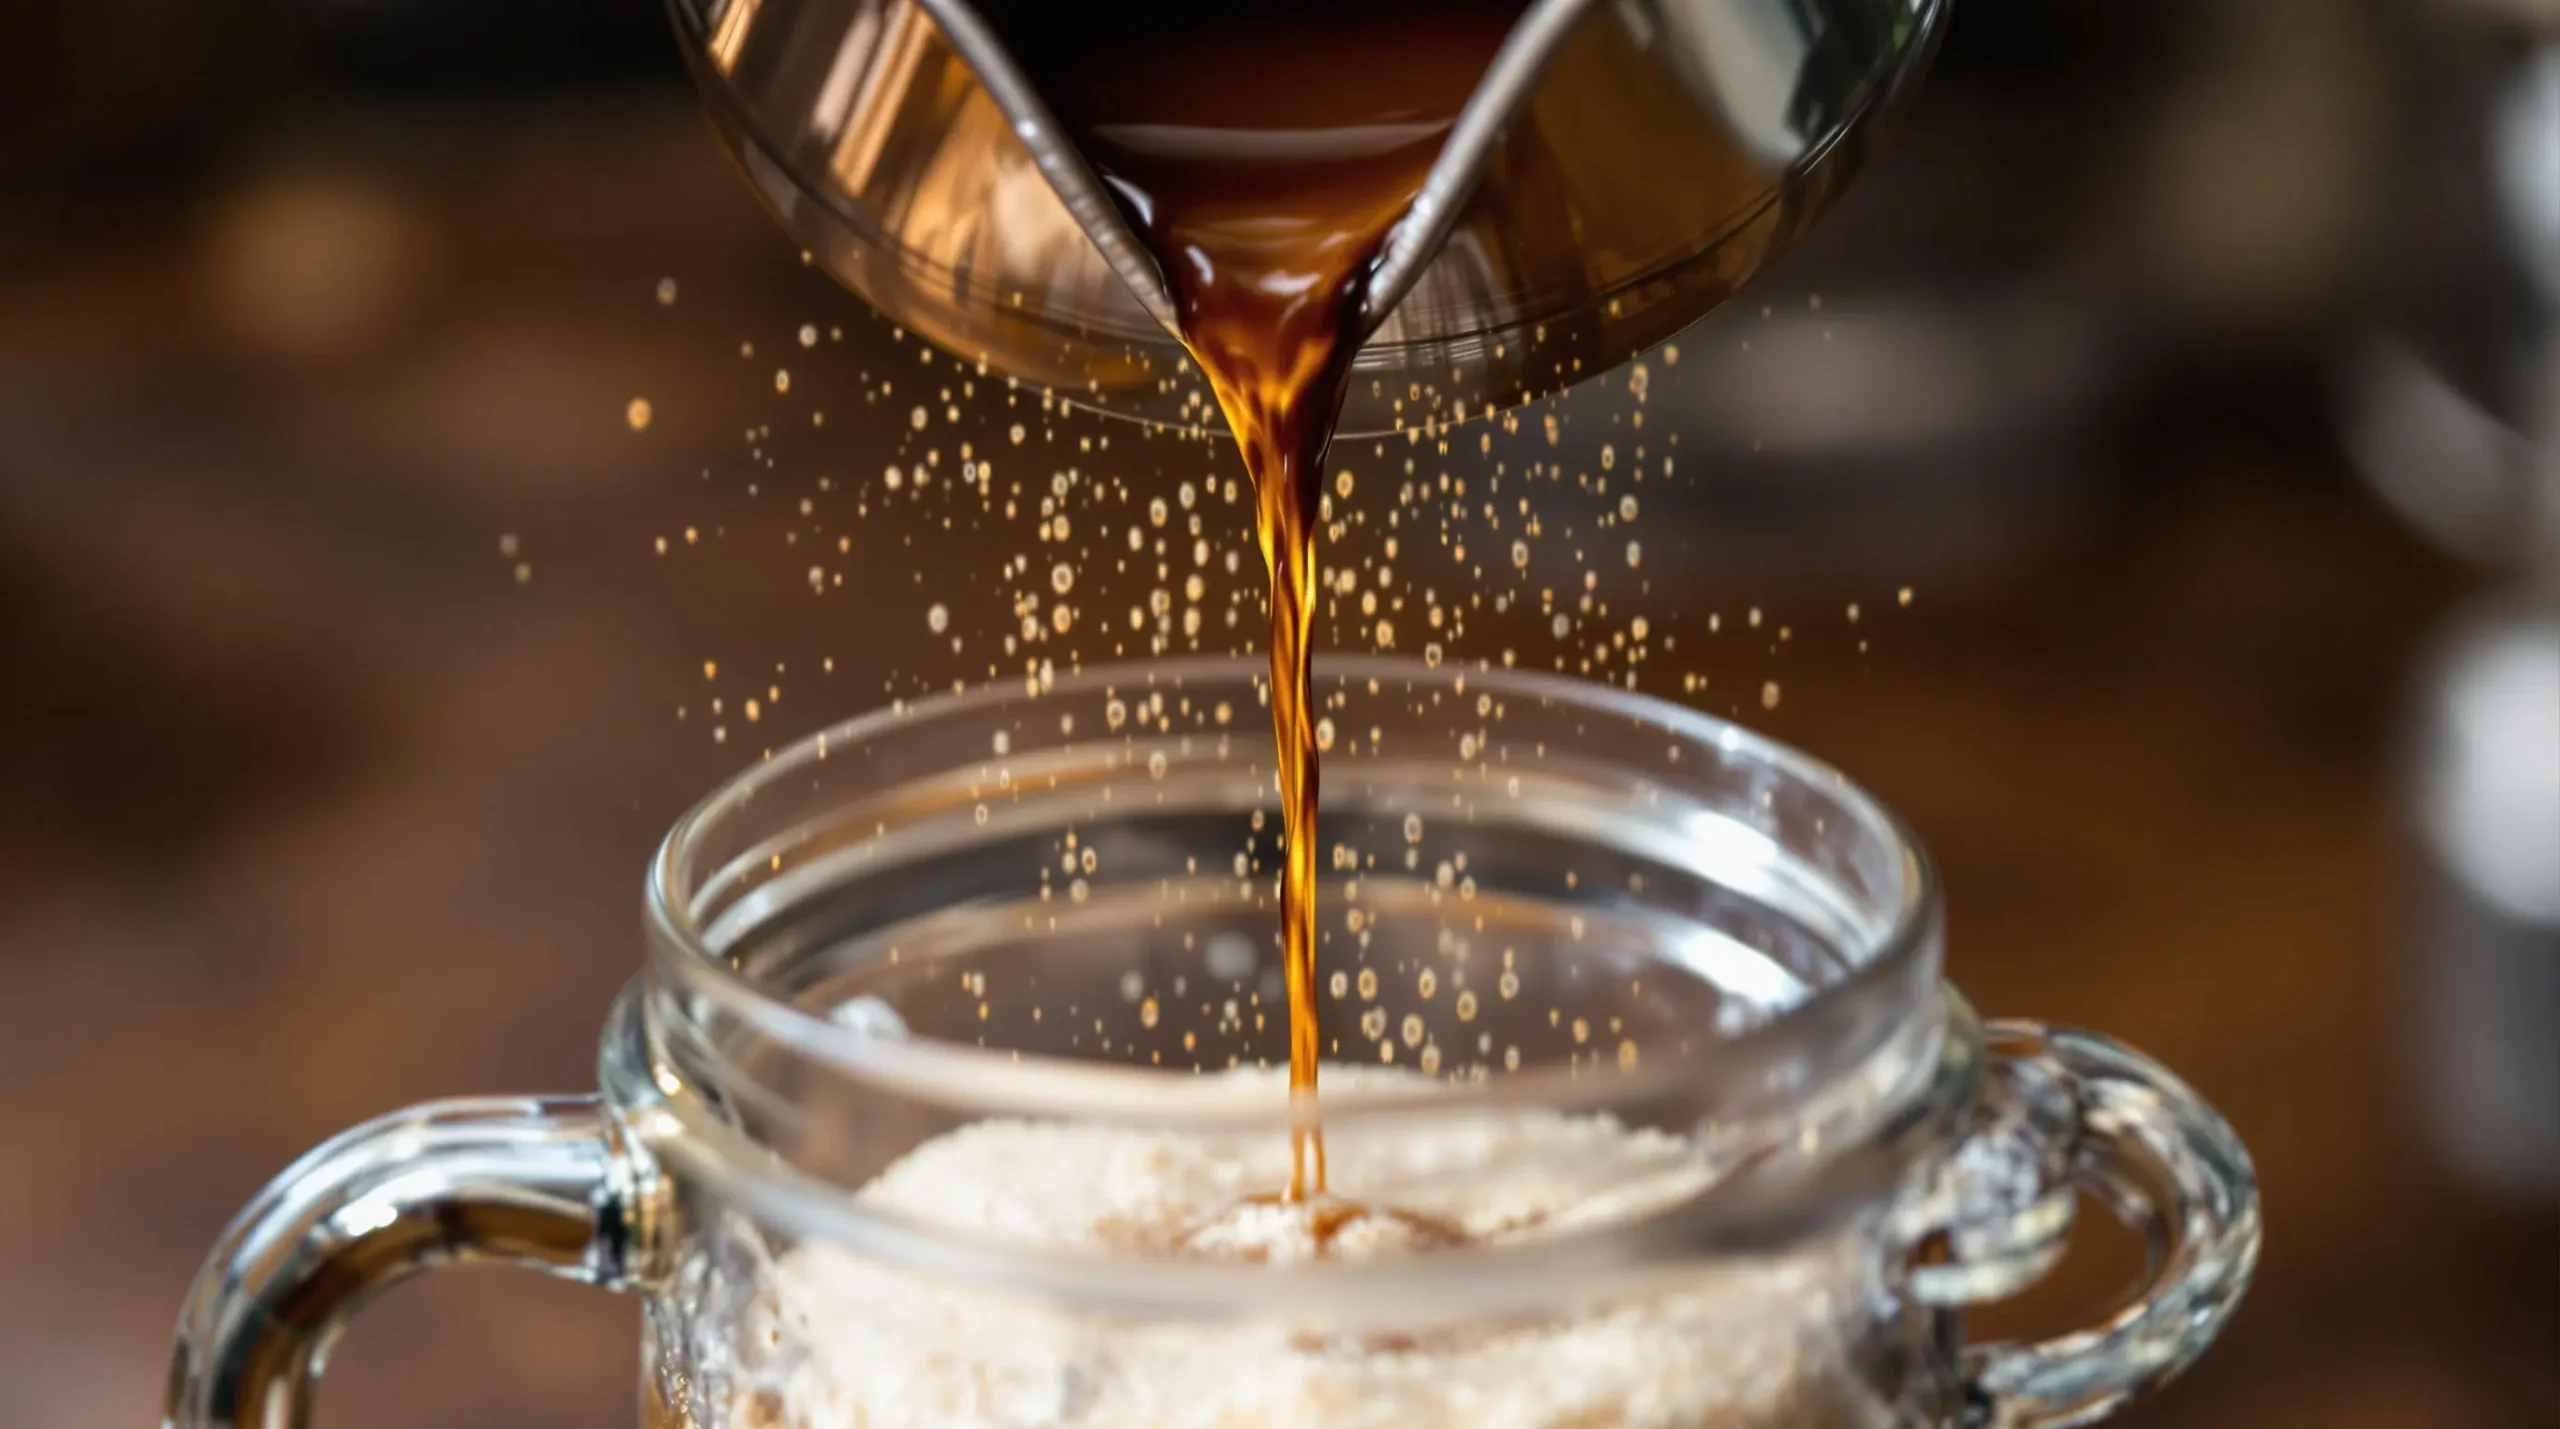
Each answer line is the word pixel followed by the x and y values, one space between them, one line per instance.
pixel 1508 82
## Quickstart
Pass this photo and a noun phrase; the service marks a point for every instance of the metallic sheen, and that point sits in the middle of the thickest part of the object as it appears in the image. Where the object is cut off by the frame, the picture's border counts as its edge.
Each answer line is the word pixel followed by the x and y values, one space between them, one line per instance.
pixel 1621 170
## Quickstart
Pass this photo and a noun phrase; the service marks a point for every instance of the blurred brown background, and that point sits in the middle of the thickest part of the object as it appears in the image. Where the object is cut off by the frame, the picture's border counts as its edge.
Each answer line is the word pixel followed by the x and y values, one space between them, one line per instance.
pixel 339 676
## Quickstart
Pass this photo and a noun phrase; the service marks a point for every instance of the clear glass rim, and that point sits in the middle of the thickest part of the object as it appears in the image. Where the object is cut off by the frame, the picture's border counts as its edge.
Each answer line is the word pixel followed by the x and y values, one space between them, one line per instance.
pixel 993 1081
pixel 1745 1216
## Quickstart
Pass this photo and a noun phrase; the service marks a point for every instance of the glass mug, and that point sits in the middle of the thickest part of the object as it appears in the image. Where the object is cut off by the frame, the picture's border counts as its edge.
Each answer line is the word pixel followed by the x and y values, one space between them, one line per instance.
pixel 1636 946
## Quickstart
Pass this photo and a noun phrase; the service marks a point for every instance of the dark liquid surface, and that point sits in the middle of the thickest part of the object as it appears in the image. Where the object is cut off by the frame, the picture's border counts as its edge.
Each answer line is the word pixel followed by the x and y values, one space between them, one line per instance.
pixel 1262 152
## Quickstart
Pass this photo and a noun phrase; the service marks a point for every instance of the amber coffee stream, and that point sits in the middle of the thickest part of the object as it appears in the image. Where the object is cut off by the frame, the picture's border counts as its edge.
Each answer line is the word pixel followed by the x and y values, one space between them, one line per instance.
pixel 1262 151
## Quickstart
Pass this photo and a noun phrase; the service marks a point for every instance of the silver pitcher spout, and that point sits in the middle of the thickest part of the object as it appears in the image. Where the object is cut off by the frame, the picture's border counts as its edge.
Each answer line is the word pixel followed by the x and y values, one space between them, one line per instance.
pixel 1623 166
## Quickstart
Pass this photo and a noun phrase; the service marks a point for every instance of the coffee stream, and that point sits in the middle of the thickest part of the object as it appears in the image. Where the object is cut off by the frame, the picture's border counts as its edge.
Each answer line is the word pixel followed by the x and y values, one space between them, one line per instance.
pixel 1263 151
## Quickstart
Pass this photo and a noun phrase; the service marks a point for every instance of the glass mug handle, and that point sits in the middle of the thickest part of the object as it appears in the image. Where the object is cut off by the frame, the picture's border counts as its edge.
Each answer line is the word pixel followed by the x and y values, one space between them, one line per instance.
pixel 537 1182
pixel 544 1183
pixel 2063 1112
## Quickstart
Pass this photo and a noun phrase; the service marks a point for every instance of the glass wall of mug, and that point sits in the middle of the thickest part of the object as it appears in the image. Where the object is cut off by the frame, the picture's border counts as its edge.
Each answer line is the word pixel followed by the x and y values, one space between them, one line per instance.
pixel 955 1094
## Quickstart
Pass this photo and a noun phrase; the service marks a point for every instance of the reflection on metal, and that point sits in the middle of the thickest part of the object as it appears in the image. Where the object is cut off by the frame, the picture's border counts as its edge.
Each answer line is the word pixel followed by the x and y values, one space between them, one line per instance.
pixel 1640 163
pixel 1746 57
pixel 873 74
pixel 730 35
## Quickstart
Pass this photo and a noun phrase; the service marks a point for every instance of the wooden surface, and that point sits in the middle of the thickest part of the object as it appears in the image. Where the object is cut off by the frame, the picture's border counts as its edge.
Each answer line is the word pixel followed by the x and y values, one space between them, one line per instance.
pixel 309 808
